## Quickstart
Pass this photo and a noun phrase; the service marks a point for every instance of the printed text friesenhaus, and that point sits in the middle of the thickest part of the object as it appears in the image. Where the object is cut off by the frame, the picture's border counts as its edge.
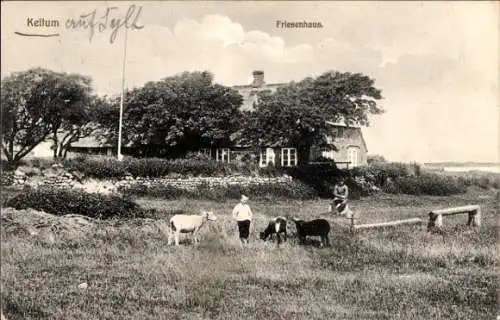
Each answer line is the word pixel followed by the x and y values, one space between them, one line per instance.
pixel 298 24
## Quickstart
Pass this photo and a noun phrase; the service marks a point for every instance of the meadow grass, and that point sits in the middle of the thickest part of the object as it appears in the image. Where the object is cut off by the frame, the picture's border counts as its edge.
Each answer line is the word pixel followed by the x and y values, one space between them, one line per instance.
pixel 391 273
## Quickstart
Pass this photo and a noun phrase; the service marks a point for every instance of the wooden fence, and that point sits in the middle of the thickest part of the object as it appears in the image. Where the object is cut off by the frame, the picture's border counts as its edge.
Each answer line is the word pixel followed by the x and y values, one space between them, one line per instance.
pixel 435 218
pixel 388 223
pixel 473 211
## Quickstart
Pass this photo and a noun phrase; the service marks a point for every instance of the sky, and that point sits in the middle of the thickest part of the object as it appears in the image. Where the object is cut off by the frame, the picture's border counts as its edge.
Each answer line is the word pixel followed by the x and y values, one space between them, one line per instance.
pixel 436 63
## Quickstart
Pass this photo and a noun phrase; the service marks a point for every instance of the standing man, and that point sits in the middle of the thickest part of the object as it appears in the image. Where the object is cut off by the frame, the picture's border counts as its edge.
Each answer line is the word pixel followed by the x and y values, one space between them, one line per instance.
pixel 243 216
pixel 340 196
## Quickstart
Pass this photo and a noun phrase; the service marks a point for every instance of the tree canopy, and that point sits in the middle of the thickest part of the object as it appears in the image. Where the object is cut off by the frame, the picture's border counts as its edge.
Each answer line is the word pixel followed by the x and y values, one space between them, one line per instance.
pixel 184 112
pixel 84 120
pixel 297 114
pixel 38 103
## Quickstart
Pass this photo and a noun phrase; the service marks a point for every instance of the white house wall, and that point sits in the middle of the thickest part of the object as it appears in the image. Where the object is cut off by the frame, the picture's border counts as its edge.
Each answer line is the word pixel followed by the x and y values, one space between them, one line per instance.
pixel 352 138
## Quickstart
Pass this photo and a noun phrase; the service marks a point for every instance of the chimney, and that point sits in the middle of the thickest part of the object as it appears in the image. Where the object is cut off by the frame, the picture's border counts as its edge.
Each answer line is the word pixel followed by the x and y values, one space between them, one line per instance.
pixel 258 78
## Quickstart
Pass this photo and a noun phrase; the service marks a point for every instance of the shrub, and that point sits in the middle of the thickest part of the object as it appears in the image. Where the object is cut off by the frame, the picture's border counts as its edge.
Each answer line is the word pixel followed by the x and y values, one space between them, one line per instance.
pixel 377 172
pixel 41 163
pixel 193 167
pixel 271 171
pixel 466 181
pixel 320 177
pixel 6 178
pixel 495 183
pixel 360 186
pixel 375 176
pixel 5 166
pixel 371 159
pixel 391 169
pixel 148 167
pixel 199 156
pixel 427 184
pixel 62 201
pixel 105 168
pixel 482 182
pixel 292 190
pixel 100 168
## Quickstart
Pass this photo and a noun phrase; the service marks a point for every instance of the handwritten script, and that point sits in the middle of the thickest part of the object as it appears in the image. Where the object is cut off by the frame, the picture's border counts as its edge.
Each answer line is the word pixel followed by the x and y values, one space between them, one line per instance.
pixel 110 21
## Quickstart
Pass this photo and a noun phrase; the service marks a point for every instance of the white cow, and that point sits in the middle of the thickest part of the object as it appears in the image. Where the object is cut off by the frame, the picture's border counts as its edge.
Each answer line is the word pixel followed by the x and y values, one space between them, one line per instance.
pixel 181 223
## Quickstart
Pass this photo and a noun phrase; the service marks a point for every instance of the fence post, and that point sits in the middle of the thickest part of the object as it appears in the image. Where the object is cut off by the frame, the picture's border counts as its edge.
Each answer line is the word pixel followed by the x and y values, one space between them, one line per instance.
pixel 435 221
pixel 475 218
pixel 439 221
pixel 353 221
pixel 352 216
pixel 473 211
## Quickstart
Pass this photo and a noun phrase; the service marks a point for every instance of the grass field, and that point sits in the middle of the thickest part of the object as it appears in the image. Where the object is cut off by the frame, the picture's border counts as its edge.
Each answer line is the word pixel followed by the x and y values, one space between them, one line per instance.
pixel 398 273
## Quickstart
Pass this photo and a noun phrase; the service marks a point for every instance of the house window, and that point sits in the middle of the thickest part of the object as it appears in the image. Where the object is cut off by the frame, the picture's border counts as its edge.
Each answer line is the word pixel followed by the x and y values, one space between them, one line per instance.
pixel 207 152
pixel 328 154
pixel 288 157
pixel 352 156
pixel 222 155
pixel 267 157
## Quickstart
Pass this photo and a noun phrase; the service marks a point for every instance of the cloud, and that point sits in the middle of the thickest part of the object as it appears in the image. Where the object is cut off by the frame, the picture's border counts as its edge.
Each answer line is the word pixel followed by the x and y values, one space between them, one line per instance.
pixel 345 56
pixel 212 28
pixel 222 28
pixel 425 71
pixel 215 42
pixel 438 109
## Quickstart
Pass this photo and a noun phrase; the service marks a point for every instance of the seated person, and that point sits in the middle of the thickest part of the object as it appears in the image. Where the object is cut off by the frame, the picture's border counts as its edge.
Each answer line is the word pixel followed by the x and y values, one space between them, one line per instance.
pixel 340 196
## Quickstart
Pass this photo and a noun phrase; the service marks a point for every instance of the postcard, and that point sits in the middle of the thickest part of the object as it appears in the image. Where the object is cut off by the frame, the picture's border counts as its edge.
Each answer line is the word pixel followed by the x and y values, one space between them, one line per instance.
pixel 250 159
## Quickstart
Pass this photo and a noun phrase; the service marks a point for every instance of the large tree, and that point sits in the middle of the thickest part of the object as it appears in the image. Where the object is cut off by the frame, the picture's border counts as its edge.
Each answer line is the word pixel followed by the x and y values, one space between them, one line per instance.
pixel 297 114
pixel 36 105
pixel 183 112
pixel 81 121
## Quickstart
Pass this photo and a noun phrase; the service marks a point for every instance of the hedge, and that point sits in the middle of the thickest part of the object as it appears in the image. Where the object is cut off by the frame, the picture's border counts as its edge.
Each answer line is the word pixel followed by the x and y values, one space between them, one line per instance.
pixel 320 179
pixel 378 172
pixel 293 190
pixel 105 168
pixel 426 184
pixel 483 182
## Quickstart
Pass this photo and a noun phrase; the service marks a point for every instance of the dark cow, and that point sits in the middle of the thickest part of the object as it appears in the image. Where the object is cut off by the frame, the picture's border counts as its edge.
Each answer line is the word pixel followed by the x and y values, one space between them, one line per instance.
pixel 275 226
pixel 317 227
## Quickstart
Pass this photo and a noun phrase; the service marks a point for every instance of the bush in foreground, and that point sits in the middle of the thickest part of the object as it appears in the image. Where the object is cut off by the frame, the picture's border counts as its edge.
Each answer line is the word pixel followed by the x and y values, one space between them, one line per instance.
pixel 62 201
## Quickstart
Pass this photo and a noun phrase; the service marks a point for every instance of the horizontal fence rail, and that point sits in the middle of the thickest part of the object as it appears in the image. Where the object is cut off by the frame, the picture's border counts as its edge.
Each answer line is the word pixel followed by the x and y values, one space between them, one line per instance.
pixel 456 210
pixel 436 216
pixel 388 223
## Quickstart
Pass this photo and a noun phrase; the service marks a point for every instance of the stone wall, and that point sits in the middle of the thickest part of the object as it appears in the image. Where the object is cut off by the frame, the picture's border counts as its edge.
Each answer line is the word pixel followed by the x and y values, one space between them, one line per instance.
pixel 57 177
pixel 195 182
pixel 25 175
